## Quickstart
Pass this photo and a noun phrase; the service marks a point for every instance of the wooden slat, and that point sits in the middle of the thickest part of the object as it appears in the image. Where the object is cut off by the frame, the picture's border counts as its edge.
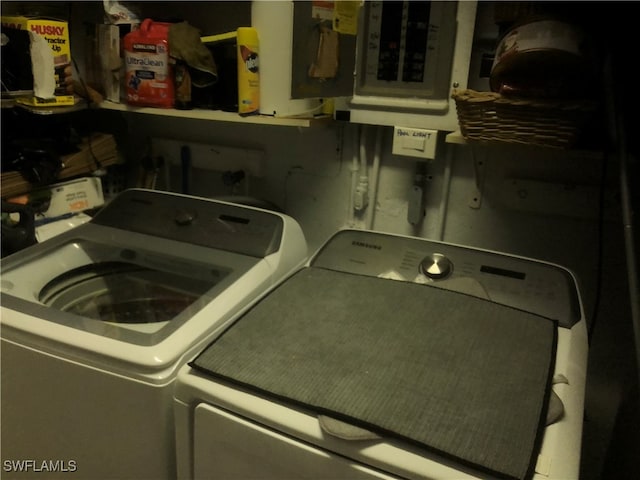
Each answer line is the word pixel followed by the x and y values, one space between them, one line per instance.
pixel 98 149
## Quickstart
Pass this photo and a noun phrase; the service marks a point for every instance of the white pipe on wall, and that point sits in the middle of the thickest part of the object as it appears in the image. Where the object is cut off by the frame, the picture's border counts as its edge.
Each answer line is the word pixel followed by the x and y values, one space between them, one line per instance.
pixel 361 200
pixel 375 172
pixel 444 196
pixel 355 169
pixel 360 179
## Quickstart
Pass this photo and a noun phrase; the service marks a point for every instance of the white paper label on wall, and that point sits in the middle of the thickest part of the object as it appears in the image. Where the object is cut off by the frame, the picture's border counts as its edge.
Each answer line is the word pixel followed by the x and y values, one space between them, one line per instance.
pixel 414 142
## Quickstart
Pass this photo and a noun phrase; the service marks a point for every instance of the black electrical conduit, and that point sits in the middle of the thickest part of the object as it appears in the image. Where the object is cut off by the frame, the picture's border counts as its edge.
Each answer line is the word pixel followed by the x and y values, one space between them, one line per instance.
pixel 617 130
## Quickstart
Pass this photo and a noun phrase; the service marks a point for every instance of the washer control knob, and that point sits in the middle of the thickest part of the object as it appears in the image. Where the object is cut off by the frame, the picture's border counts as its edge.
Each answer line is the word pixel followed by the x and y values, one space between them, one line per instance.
pixel 436 266
pixel 184 217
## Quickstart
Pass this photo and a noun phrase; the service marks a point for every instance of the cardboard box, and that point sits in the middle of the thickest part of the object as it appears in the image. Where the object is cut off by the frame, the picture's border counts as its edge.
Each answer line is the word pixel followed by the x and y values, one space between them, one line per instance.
pixel 56 35
pixel 69 197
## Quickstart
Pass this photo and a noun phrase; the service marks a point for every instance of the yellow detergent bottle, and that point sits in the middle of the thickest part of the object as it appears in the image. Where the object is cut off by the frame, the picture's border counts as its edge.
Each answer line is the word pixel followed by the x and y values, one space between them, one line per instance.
pixel 248 71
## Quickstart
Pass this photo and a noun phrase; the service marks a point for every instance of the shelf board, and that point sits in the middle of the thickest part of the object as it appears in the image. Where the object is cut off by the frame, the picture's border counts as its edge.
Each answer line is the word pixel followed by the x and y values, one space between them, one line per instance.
pixel 455 137
pixel 219 116
pixel 50 110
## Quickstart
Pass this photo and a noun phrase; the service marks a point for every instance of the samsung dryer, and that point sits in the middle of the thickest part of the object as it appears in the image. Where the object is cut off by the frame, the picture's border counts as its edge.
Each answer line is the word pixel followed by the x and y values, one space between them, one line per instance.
pixel 97 321
pixel 393 357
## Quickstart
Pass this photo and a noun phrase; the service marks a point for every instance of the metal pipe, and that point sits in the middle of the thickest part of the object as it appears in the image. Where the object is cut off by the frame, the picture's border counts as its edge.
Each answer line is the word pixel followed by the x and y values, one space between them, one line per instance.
pixel 618 133
pixel 444 196
pixel 627 225
pixel 375 172
pixel 355 168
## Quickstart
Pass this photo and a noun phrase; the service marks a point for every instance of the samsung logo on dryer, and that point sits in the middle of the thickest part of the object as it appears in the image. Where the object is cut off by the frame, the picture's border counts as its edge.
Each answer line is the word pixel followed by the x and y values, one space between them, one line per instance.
pixel 357 243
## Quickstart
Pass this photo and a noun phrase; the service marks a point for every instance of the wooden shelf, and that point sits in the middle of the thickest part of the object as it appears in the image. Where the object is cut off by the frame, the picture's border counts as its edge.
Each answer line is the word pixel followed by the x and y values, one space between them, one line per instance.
pixel 100 147
pixel 220 116
pixel 456 137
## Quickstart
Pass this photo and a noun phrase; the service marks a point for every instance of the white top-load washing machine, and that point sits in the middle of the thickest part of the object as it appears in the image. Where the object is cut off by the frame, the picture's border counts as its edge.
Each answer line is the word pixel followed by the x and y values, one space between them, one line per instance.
pixel 393 357
pixel 97 321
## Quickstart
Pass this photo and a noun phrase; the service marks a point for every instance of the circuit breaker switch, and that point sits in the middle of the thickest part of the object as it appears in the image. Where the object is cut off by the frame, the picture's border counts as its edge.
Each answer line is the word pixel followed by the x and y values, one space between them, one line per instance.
pixel 415 142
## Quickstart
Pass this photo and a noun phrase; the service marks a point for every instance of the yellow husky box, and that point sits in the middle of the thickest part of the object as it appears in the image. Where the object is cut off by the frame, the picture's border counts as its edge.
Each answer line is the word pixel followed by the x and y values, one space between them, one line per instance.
pixel 56 34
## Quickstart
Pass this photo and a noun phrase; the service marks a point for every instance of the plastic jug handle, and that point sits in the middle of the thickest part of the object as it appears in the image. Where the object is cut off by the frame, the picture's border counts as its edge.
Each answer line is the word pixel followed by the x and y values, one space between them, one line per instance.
pixel 146 25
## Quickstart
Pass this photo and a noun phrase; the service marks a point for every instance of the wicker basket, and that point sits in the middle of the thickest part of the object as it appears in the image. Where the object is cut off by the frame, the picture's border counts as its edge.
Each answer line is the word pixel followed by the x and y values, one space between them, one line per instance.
pixel 491 117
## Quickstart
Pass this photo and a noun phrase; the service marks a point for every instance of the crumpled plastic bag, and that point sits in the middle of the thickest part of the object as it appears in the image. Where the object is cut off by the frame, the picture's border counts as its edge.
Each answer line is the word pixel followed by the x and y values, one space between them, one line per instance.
pixel 185 45
pixel 44 80
pixel 118 14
